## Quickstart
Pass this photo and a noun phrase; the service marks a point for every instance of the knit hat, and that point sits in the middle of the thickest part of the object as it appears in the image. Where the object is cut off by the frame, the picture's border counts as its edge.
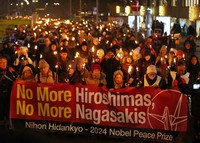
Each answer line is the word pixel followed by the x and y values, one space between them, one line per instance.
pixel 95 66
pixel 151 69
pixel 27 68
pixel 179 53
pixel 43 64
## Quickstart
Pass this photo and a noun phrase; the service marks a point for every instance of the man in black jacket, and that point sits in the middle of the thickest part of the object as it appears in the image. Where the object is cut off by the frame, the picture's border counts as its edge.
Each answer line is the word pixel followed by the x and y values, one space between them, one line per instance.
pixel 7 77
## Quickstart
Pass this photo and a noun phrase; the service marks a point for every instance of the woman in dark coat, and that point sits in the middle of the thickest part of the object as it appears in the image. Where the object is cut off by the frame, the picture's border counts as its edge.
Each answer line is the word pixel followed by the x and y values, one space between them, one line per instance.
pixel 194 67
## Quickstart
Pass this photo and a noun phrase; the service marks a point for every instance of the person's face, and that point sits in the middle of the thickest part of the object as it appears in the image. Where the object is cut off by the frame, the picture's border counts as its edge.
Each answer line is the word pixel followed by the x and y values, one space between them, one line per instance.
pixel 163 52
pixel 5 46
pixel 79 67
pixel 63 55
pixel 47 42
pixel 181 69
pixel 24 62
pixel 84 48
pixel 71 72
pixel 194 60
pixel 187 45
pixel 53 47
pixel 3 64
pixel 118 79
pixel 27 74
pixel 44 70
pixel 66 43
pixel 151 75
pixel 147 58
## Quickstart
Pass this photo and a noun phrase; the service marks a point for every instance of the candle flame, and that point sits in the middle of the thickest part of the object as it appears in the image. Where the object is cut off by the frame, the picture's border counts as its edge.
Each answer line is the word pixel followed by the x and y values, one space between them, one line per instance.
pixel 129 69
pixel 55 52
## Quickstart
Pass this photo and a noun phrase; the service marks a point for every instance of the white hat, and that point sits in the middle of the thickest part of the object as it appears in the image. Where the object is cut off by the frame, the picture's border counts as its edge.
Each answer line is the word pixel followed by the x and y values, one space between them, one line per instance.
pixel 151 69
pixel 173 50
pixel 43 63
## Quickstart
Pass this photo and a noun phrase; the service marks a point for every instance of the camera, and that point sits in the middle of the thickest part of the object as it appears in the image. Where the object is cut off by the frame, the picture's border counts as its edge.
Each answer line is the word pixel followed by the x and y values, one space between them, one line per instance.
pixel 196 86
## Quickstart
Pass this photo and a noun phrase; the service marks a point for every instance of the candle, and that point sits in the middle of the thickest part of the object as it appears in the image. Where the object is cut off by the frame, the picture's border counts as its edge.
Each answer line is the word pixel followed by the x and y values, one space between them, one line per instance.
pixel 129 75
pixel 183 56
pixel 56 67
pixel 77 55
pixel 129 70
pixel 93 49
pixel 174 60
pixel 35 49
pixel 28 45
pixel 161 60
pixel 41 56
pixel 84 72
pixel 137 72
pixel 69 67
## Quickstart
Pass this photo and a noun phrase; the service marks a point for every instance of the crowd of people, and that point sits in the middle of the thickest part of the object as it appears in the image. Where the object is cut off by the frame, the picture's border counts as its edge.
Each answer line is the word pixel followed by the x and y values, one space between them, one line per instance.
pixel 107 54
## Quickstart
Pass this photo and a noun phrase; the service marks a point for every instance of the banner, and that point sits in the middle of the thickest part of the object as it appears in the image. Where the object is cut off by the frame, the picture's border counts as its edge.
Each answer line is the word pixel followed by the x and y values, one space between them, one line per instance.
pixel 136 113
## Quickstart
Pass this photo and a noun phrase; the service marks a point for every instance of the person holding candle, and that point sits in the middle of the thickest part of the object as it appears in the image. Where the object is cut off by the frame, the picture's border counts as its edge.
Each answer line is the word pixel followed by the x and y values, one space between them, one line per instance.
pixel 63 59
pixel 81 72
pixel 151 78
pixel 181 77
pixel 109 65
pixel 162 60
pixel 179 56
pixel 23 51
pixel 96 76
pixel 23 61
pixel 67 75
pixel 52 56
pixel 188 52
pixel 172 59
pixel 148 59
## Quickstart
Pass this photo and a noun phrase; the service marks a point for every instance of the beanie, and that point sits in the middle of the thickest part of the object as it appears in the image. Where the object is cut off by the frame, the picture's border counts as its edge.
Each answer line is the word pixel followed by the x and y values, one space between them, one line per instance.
pixel 95 66
pixel 151 69
pixel 179 53
pixel 43 64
